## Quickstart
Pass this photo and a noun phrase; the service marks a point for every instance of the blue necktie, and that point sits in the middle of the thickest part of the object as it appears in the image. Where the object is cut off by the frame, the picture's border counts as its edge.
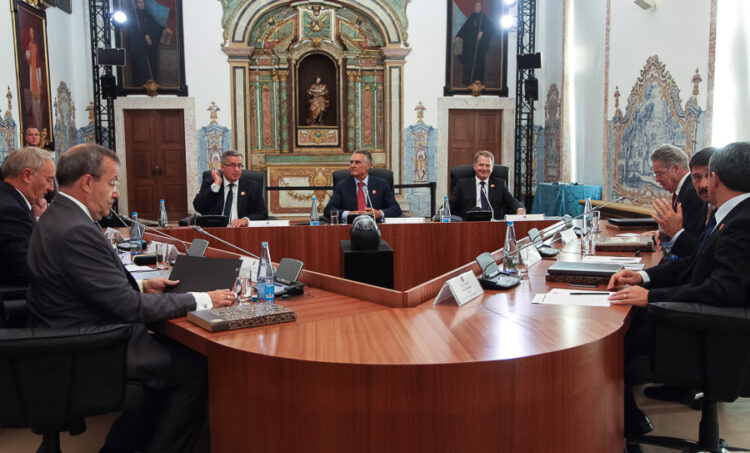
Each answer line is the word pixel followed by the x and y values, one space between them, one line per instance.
pixel 228 202
pixel 707 232
pixel 483 197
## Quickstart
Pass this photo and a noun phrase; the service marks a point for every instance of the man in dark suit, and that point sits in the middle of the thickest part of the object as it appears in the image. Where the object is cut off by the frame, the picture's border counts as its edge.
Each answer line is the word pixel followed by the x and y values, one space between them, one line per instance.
pixel 716 274
pixel 29 175
pixel 77 280
pixel 228 192
pixel 684 242
pixel 349 195
pixel 670 166
pixel 483 192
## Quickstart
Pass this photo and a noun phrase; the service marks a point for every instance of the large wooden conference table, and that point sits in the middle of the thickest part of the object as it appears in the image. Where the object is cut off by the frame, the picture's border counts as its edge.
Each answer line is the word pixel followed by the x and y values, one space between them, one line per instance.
pixel 370 369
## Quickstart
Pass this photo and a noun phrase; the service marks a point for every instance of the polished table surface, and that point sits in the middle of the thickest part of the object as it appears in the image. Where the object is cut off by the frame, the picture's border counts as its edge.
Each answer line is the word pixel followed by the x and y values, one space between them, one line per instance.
pixel 498 374
pixel 421 251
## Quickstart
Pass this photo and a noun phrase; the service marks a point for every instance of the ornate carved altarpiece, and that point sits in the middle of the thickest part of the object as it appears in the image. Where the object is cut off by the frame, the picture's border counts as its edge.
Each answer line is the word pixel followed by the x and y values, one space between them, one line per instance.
pixel 313 81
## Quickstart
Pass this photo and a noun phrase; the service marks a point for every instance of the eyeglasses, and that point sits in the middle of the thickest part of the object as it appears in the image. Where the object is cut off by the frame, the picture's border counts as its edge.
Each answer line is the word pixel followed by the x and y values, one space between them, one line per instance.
pixel 658 173
pixel 114 185
pixel 233 165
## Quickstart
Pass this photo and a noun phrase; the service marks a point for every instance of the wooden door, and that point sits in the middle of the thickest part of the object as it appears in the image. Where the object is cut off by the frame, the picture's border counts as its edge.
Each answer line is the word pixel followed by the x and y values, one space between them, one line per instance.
pixel 472 130
pixel 155 153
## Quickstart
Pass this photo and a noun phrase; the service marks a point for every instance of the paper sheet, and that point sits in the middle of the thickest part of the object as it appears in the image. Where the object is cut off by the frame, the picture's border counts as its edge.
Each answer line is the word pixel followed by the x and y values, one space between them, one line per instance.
pixel 563 296
pixel 632 263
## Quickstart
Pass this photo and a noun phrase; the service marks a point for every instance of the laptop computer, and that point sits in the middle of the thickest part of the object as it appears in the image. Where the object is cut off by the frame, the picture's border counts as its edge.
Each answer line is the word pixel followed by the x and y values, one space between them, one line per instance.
pixel 584 269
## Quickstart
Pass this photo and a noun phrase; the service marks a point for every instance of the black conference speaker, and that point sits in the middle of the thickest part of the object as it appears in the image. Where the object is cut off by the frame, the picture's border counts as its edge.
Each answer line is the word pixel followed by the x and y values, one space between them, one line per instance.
pixel 531 89
pixel 110 56
pixel 529 61
pixel 108 86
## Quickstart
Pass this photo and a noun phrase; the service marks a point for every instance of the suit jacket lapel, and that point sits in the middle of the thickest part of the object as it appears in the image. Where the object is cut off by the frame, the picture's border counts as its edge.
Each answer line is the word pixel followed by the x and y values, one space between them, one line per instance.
pixel 714 234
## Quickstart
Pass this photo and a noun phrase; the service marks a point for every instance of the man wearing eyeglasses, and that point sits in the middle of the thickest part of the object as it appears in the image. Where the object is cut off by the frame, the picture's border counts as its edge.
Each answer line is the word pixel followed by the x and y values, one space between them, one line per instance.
pixel 671 171
pixel 231 193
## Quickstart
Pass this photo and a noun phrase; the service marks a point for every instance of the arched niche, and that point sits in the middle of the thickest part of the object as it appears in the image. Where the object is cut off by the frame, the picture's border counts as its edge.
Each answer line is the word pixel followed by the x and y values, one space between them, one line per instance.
pixel 317 69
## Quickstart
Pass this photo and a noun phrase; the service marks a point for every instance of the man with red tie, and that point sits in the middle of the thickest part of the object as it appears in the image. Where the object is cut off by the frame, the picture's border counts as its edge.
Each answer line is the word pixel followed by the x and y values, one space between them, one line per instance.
pixel 670 166
pixel 353 195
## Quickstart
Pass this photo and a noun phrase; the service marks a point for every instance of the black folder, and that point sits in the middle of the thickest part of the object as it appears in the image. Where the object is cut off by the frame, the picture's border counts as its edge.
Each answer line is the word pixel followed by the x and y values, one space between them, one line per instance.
pixel 634 222
pixel 200 274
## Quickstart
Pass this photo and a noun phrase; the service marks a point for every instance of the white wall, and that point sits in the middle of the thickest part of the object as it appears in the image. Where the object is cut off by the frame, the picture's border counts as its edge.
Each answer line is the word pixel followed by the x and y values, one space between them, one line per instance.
pixel 70 63
pixel 675 30
pixel 7 55
pixel 731 109
pixel 206 67
pixel 586 72
pixel 424 73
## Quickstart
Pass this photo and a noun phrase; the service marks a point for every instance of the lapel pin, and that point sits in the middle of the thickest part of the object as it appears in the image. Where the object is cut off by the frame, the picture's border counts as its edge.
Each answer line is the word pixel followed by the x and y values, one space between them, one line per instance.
pixel 492 186
pixel 374 192
pixel 242 193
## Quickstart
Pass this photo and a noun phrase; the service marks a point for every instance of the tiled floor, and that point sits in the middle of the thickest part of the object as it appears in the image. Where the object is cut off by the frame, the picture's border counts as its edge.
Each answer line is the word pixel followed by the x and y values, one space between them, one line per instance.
pixel 669 419
pixel 678 420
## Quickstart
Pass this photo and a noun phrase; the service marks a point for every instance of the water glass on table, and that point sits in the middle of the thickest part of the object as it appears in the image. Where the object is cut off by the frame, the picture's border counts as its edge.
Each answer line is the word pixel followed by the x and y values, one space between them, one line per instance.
pixel 334 217
pixel 162 255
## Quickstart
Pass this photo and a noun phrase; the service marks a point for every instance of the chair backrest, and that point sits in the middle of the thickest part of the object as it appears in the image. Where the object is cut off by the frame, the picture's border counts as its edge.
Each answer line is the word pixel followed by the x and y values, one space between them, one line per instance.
pixel 467 171
pixel 53 378
pixel 384 173
pixel 255 175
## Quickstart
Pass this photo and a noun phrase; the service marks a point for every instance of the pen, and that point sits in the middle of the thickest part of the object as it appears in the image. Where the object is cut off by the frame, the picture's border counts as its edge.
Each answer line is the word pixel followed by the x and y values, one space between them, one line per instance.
pixel 588 294
pixel 579 285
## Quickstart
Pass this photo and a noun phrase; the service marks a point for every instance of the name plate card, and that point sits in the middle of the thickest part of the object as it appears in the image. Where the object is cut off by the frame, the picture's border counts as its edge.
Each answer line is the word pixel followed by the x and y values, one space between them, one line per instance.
pixel 516 218
pixel 568 235
pixel 460 289
pixel 402 220
pixel 268 223
pixel 530 255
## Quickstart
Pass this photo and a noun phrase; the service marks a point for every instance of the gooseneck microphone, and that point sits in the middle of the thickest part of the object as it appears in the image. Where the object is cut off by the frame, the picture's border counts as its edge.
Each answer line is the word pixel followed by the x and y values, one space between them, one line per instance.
pixel 367 194
pixel 148 228
pixel 202 231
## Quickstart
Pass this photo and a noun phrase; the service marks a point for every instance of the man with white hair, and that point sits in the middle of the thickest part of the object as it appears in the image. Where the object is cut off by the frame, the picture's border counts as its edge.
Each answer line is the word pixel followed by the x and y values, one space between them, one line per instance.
pixel 29 174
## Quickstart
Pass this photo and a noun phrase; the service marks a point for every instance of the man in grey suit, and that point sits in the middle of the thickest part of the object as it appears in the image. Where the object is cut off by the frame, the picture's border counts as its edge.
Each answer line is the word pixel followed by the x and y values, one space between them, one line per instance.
pixel 77 280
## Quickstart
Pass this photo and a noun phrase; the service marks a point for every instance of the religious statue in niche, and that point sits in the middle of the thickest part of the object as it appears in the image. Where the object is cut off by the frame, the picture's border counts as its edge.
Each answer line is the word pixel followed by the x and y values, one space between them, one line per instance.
pixel 318 93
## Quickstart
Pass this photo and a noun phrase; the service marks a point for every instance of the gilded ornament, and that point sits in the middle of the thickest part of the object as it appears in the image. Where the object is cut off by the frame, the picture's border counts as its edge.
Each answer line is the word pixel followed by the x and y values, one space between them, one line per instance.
pixel 151 88
pixel 476 88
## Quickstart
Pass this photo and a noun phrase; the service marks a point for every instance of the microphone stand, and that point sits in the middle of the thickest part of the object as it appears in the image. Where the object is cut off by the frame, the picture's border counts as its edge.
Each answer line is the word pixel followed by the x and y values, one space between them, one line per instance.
pixel 148 228
pixel 556 225
pixel 202 231
pixel 367 194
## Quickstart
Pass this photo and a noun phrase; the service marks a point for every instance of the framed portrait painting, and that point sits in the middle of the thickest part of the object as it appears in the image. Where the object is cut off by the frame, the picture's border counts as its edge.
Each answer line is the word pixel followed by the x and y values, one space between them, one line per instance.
pixel 152 39
pixel 32 69
pixel 477 48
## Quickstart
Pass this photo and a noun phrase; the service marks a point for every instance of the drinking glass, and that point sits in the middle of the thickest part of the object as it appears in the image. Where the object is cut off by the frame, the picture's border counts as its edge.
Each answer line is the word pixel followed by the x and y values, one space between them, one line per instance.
pixel 334 217
pixel 162 255
pixel 244 287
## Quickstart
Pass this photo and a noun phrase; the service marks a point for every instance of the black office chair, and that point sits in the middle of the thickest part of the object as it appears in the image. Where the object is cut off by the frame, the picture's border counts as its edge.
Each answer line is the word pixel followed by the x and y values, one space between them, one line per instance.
pixel 384 173
pixel 467 171
pixel 53 378
pixel 699 347
pixel 13 309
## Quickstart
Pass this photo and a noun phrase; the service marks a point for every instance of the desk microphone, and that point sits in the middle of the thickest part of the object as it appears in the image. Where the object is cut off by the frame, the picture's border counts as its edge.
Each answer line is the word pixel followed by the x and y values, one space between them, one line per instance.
pixel 148 228
pixel 367 194
pixel 492 211
pixel 202 231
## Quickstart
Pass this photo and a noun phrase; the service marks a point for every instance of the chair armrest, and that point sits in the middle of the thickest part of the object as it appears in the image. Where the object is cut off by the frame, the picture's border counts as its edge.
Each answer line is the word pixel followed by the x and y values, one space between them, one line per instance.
pixel 702 317
pixel 27 342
